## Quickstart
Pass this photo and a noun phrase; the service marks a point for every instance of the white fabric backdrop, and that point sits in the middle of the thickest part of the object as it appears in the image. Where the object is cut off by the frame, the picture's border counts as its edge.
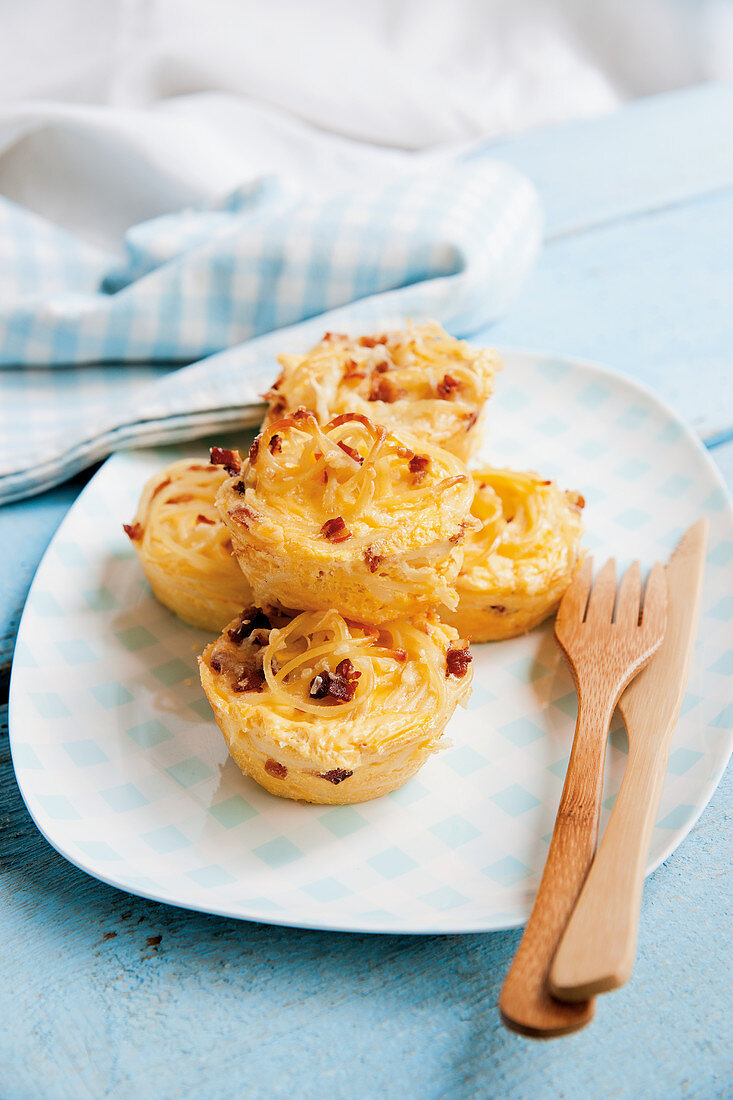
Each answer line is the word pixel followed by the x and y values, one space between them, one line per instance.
pixel 408 73
pixel 127 122
pixel 113 111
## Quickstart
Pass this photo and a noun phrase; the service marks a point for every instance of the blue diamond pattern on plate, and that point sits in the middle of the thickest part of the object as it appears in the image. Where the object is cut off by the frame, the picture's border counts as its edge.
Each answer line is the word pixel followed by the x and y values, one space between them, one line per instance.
pixel 123 768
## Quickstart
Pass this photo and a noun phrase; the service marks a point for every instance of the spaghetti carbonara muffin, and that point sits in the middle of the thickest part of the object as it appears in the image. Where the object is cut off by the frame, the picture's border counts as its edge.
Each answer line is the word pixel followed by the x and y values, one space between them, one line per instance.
pixel 325 710
pixel 184 547
pixel 518 564
pixel 348 516
pixel 420 379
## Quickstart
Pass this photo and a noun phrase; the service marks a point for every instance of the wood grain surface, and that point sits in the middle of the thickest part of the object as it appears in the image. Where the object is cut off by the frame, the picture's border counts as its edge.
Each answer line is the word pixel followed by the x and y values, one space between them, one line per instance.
pixel 597 950
pixel 108 995
pixel 605 651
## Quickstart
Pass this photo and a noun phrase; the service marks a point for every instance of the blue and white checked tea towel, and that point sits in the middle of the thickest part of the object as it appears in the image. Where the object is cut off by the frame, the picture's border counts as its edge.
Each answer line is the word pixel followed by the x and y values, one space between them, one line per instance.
pixel 89 343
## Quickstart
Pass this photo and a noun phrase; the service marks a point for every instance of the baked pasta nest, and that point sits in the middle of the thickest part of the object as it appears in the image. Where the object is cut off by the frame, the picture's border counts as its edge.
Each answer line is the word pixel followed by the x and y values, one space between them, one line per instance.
pixel 418 379
pixel 184 546
pixel 348 515
pixel 522 557
pixel 318 708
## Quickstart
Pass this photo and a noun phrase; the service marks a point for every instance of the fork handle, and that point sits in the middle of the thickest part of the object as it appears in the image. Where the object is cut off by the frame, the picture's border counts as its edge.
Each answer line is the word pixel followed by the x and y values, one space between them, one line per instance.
pixel 525 1004
pixel 597 951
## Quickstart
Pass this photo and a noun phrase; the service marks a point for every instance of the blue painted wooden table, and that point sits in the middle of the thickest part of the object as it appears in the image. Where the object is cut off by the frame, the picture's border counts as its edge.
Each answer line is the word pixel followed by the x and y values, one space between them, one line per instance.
pixel 104 994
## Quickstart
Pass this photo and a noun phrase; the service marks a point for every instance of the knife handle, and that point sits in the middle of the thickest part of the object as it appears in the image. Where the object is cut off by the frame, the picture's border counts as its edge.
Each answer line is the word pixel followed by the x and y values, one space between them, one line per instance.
pixel 596 953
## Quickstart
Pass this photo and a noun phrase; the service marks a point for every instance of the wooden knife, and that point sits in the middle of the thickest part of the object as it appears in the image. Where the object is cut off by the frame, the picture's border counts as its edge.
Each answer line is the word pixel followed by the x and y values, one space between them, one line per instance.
pixel 597 950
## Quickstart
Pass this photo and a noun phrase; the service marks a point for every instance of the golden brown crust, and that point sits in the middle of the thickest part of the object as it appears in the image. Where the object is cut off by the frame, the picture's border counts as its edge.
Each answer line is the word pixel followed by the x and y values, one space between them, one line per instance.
pixel 184 547
pixel 519 563
pixel 418 379
pixel 328 711
pixel 337 516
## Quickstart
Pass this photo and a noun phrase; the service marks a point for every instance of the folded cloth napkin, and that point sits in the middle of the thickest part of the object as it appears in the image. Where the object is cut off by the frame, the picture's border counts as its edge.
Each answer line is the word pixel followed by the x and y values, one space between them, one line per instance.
pixel 88 340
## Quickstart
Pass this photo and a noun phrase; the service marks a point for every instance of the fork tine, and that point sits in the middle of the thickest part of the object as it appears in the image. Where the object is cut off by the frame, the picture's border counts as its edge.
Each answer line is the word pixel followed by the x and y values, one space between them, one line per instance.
pixel 573 604
pixel 629 597
pixel 603 595
pixel 654 611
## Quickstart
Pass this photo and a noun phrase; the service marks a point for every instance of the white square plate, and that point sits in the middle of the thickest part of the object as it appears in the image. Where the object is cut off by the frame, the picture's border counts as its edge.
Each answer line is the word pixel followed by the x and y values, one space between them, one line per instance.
pixel 126 774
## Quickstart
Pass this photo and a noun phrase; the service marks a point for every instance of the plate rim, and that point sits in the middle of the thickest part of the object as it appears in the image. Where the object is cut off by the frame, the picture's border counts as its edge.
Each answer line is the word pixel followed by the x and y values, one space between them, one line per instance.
pixel 504 921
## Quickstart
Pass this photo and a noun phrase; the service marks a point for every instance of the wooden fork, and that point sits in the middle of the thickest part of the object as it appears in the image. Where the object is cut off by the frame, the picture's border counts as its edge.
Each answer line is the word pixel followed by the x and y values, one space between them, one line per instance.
pixel 597 949
pixel 604 653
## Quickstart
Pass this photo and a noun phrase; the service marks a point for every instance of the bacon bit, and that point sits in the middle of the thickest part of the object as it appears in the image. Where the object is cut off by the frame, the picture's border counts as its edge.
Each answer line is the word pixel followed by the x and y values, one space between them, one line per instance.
pixel 239 487
pixel 351 452
pixel 159 488
pixel 336 775
pixel 419 466
pixel 244 515
pixel 215 663
pixel 203 519
pixel 254 449
pixel 272 767
pixel 183 498
pixel 372 341
pixel 331 336
pixel 383 367
pixel 372 559
pixel 399 655
pixel 340 686
pixel 252 679
pixel 230 460
pixel 458 535
pixel 302 413
pixel 133 531
pixel 248 624
pixel 335 530
pixel 153 941
pixel 498 607
pixel 320 685
pixel 324 476
pixel 275 445
pixel 352 369
pixel 545 483
pixel 457 662
pixel 576 500
pixel 448 385
pixel 384 389
pixel 471 419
